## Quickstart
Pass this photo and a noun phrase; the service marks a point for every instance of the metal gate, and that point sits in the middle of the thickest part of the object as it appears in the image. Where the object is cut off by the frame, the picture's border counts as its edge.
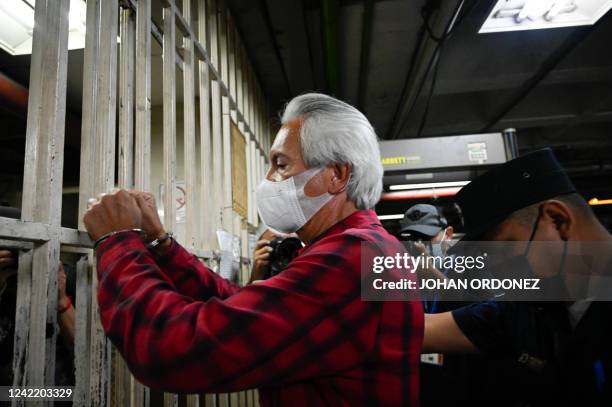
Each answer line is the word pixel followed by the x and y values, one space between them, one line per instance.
pixel 210 54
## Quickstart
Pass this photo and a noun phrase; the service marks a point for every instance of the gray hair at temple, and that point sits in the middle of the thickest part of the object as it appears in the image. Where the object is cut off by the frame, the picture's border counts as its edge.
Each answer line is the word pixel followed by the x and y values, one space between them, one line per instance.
pixel 335 132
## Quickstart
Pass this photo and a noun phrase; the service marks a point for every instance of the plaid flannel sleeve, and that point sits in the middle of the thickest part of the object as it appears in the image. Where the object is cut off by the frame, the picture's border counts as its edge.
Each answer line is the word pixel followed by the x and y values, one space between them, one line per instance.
pixel 190 276
pixel 308 321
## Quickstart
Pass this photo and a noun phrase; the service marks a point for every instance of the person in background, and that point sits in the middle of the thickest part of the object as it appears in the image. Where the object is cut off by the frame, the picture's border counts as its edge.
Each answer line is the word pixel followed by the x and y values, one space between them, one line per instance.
pixel 428 233
pixel 8 295
pixel 423 222
pixel 561 349
pixel 64 368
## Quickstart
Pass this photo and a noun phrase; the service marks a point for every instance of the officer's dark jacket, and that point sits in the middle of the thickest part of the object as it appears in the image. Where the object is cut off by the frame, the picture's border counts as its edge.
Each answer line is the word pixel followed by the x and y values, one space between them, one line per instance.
pixel 558 365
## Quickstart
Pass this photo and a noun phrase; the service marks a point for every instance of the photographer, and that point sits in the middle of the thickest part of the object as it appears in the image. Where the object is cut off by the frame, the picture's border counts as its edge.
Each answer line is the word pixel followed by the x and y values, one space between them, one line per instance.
pixel 304 337
pixel 272 254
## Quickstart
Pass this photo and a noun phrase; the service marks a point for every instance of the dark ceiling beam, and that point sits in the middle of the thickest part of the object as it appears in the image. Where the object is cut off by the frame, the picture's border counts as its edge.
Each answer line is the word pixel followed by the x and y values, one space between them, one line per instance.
pixel 427 52
pixel 514 80
pixel 565 119
pixel 364 58
pixel 329 15
pixel 545 68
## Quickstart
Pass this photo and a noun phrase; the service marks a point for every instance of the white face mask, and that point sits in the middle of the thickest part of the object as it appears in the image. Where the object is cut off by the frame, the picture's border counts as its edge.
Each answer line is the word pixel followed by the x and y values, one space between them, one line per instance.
pixel 284 206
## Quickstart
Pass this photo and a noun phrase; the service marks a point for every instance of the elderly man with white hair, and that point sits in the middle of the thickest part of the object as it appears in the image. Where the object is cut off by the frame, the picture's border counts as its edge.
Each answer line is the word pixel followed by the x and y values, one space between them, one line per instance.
pixel 304 337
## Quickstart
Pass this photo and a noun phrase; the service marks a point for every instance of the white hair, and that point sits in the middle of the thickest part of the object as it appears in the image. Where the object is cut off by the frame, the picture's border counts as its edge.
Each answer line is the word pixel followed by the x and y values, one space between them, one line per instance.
pixel 335 132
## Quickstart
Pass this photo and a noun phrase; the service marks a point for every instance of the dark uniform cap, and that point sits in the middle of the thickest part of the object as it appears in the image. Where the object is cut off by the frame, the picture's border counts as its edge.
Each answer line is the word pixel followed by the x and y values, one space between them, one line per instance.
pixel 492 197
pixel 424 219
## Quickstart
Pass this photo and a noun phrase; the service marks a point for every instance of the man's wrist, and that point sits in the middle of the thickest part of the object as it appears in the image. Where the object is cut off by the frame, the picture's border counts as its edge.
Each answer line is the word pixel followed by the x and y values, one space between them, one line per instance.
pixel 103 238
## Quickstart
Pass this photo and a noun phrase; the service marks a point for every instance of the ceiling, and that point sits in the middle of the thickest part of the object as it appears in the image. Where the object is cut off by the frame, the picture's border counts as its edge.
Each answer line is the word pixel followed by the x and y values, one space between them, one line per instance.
pixel 553 85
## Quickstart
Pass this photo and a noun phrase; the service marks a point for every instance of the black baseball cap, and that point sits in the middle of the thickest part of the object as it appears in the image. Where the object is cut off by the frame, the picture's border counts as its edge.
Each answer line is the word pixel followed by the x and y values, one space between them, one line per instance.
pixel 492 197
pixel 423 219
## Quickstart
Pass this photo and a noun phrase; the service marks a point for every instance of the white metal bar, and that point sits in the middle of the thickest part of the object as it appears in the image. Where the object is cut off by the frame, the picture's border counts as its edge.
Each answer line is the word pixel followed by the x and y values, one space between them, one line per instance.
pixel 82 396
pixel 88 113
pixel 142 157
pixel 104 163
pixel 227 166
pixel 126 101
pixel 211 6
pixel 206 208
pixel 142 142
pixel 22 319
pixel 231 50
pixel 169 92
pixel 217 153
pixel 121 377
pixel 222 30
pixel 169 132
pixel 189 136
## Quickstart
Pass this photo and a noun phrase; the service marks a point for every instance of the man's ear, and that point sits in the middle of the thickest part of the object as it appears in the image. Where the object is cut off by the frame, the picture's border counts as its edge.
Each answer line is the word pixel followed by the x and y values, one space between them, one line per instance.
pixel 340 178
pixel 561 215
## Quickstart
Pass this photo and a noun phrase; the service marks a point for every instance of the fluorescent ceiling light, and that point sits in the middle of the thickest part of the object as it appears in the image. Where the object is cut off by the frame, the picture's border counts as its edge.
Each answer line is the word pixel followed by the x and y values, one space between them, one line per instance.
pixel 518 15
pixel 391 217
pixel 17 25
pixel 595 201
pixel 428 185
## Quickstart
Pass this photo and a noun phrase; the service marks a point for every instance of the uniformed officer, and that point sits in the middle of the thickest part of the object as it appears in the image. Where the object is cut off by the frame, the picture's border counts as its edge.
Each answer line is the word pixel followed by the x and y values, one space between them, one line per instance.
pixel 563 350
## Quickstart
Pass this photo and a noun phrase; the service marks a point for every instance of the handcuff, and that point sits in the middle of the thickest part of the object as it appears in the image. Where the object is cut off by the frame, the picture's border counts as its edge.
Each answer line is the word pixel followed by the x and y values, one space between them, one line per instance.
pixel 156 242
pixel 151 245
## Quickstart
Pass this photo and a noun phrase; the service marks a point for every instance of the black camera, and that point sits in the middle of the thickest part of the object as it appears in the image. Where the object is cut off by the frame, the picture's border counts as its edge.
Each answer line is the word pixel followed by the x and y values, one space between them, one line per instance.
pixel 283 251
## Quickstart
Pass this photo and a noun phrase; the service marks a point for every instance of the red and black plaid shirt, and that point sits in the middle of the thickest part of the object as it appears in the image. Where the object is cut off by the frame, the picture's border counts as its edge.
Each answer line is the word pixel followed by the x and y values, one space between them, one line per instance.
pixel 303 337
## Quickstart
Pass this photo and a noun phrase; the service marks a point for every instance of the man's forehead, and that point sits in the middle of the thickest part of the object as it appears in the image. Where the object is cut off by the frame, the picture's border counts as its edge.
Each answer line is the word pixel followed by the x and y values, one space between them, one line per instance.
pixel 281 138
pixel 287 137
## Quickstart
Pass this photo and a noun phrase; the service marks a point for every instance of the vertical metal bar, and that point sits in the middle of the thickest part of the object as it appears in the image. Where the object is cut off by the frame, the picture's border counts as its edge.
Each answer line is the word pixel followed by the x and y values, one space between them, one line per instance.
pixel 169 132
pixel 239 61
pixel 88 114
pixel 42 189
pixel 106 102
pixel 22 318
pixel 104 173
pixel 206 208
pixel 252 104
pixel 223 400
pixel 211 6
pixel 191 204
pixel 121 377
pixel 126 101
pixel 209 400
pixel 222 30
pixel 233 399
pixel 227 166
pixel 82 332
pixel 246 88
pixel 169 106
pixel 231 50
pixel 217 150
pixel 142 142
pixel 143 96
pixel 252 180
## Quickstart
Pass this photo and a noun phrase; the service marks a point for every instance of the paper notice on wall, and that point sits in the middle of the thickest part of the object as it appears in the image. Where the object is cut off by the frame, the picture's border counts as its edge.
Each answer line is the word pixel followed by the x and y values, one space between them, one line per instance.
pixel 180 199
pixel 229 246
